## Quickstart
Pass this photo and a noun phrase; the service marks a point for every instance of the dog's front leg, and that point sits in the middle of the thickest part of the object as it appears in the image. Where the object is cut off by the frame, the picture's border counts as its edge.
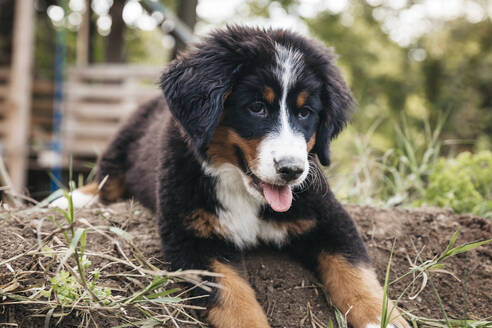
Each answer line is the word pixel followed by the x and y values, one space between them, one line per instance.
pixel 235 305
pixel 232 304
pixel 335 250
pixel 355 291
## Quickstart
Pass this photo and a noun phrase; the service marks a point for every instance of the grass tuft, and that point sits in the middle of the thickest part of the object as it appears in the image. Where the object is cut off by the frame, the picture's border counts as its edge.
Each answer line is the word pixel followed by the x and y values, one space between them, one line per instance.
pixel 423 271
pixel 71 278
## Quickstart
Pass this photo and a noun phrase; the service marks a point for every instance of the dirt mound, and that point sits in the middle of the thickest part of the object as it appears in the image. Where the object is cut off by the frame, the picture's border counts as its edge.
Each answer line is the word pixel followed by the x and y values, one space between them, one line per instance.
pixel 289 294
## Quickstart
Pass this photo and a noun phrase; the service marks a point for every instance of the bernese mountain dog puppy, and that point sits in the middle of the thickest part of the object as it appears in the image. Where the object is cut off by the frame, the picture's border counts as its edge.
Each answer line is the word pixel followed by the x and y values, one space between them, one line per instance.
pixel 228 160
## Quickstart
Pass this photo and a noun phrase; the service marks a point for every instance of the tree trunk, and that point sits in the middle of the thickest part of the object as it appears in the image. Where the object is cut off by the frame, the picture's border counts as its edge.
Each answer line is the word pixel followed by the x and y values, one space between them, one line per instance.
pixel 115 41
pixel 92 35
pixel 187 14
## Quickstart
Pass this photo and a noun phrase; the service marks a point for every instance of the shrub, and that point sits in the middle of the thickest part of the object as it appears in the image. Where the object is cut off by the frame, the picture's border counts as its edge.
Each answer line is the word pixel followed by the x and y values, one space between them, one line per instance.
pixel 463 183
pixel 413 173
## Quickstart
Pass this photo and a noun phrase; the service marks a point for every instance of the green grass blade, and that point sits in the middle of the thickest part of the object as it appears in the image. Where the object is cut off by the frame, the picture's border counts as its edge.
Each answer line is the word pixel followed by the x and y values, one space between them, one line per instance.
pixel 121 233
pixel 384 314
pixel 76 238
pixel 464 248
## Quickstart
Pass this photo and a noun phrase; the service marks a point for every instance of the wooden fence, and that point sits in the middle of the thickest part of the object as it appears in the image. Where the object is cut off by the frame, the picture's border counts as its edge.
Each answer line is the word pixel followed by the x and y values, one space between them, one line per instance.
pixel 41 123
pixel 97 99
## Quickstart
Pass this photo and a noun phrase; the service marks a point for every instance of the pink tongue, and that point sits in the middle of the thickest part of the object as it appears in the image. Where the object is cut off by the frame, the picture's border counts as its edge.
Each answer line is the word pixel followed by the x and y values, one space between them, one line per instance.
pixel 279 198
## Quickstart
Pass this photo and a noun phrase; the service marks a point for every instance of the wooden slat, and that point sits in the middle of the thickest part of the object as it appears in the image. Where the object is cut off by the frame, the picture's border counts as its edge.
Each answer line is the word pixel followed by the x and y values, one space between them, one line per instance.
pixel 85 148
pixel 98 99
pixel 79 90
pixel 41 111
pixel 102 91
pixel 114 72
pixel 101 111
pixel 93 130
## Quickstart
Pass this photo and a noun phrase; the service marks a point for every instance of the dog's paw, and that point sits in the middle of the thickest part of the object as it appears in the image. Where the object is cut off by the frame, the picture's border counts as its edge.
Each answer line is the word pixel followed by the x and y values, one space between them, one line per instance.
pixel 79 200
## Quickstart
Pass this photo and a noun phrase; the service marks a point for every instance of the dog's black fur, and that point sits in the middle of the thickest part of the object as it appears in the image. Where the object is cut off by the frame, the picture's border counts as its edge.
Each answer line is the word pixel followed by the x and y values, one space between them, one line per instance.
pixel 158 158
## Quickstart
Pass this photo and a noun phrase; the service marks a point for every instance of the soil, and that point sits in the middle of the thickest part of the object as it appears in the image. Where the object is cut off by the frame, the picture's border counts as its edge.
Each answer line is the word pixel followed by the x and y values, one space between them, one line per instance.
pixel 290 295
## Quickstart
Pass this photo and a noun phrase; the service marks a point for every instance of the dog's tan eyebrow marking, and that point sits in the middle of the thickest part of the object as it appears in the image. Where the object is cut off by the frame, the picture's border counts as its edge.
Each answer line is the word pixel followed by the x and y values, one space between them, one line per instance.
pixel 301 98
pixel 269 94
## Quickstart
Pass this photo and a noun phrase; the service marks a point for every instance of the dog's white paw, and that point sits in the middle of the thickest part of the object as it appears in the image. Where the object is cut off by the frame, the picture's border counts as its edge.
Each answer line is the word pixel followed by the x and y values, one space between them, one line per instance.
pixel 378 325
pixel 399 323
pixel 79 200
pixel 373 325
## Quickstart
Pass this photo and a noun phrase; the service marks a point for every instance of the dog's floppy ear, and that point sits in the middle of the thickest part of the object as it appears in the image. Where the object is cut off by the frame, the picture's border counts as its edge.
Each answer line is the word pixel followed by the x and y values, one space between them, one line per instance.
pixel 195 87
pixel 197 83
pixel 337 101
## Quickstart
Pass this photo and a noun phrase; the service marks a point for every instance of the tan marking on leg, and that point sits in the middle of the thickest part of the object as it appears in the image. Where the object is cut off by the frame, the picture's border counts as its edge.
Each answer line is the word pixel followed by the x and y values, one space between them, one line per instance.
pixel 89 189
pixel 113 189
pixel 311 142
pixel 237 306
pixel 204 223
pixel 301 98
pixel 269 95
pixel 222 147
pixel 297 227
pixel 356 290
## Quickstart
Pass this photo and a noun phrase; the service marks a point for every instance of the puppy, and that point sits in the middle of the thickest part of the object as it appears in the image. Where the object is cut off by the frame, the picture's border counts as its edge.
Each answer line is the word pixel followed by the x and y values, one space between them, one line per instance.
pixel 228 160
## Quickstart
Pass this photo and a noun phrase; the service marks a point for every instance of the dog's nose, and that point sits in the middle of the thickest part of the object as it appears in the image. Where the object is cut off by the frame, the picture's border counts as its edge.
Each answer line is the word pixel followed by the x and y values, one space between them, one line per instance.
pixel 289 168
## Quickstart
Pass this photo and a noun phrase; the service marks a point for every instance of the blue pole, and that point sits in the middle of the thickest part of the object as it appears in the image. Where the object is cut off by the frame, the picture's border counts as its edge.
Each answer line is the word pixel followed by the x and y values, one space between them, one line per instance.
pixel 56 142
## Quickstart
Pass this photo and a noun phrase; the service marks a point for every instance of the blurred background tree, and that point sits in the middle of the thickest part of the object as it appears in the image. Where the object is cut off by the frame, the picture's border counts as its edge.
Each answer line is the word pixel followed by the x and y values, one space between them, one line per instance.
pixel 421 59
pixel 427 60
pixel 414 65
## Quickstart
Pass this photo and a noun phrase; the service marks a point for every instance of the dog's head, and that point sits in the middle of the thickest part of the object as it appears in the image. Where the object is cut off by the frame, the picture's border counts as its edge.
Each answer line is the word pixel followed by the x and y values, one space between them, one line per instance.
pixel 261 100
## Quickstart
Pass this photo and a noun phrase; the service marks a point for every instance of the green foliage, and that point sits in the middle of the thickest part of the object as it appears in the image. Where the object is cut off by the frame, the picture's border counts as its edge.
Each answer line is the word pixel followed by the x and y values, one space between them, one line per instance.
pixel 403 165
pixel 406 167
pixel 145 47
pixel 78 286
pixel 65 287
pixel 414 173
pixel 453 77
pixel 463 183
pixel 69 291
pixel 397 176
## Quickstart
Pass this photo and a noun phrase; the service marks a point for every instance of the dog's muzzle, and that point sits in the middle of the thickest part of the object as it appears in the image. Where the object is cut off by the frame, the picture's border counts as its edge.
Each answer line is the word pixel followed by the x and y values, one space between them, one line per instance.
pixel 289 168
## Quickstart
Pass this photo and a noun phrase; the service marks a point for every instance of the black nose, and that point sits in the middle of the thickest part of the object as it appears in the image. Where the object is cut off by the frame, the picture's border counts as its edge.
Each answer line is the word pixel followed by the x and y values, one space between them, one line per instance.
pixel 289 168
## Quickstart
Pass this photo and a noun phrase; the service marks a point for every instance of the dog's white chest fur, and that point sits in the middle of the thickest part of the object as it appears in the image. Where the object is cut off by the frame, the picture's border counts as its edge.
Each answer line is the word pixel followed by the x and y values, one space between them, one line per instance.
pixel 241 204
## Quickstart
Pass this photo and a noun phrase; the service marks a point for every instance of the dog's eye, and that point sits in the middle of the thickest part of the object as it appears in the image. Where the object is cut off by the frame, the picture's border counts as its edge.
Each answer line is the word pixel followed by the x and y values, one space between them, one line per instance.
pixel 304 113
pixel 258 109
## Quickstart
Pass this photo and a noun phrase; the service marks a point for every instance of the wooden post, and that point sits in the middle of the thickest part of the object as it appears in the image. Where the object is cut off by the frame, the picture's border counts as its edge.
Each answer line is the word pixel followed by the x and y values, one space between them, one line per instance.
pixel 19 98
pixel 83 36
